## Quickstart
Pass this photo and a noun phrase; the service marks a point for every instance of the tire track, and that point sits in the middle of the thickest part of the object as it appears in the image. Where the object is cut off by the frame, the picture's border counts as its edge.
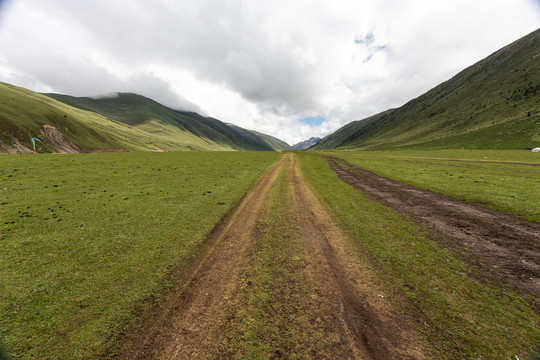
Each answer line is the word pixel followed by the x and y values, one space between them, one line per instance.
pixel 346 304
pixel 191 327
pixel 501 247
pixel 359 321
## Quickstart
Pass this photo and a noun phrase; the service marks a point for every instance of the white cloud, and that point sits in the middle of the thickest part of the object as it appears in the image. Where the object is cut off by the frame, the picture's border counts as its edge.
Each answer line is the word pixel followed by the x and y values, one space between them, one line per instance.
pixel 262 65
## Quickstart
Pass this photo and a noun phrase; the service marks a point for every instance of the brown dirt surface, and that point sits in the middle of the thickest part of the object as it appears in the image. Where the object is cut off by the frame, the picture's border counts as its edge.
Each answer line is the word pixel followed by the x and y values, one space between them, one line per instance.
pixel 503 249
pixel 358 319
pixel 16 147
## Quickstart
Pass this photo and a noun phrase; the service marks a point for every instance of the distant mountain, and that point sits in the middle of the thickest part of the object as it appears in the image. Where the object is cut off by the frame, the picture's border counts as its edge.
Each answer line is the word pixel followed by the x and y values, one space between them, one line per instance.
pixel 306 144
pixel 141 112
pixel 120 122
pixel 270 141
pixel 493 104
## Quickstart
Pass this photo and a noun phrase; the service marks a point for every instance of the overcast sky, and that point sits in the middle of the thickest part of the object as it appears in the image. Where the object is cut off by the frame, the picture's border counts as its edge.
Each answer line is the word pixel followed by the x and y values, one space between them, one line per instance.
pixel 289 68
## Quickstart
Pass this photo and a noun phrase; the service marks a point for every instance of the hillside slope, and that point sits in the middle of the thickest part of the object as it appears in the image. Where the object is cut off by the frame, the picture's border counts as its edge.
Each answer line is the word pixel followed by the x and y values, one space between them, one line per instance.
pixel 144 113
pixel 264 140
pixel 125 121
pixel 24 113
pixel 348 133
pixel 493 104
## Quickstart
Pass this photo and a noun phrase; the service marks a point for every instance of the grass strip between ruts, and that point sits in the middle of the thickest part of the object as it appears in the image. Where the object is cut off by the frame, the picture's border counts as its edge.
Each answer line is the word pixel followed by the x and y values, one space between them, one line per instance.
pixel 273 319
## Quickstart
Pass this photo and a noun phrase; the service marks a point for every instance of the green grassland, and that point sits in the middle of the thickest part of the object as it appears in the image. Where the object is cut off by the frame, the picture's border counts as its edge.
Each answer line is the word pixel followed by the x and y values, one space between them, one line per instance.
pixel 89 241
pixel 459 317
pixel 487 155
pixel 490 179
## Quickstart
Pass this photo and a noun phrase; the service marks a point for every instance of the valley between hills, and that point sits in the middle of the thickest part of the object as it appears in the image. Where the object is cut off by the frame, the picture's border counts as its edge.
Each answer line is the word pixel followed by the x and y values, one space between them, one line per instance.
pixel 164 234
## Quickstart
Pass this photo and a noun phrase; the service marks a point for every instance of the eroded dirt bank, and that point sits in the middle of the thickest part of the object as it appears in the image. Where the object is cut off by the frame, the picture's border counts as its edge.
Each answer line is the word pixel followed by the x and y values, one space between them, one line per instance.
pixel 501 247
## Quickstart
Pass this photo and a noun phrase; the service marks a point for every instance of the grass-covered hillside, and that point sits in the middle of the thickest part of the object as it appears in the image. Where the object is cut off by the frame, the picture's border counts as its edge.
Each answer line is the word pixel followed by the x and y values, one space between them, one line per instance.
pixel 127 121
pixel 144 113
pixel 493 104
pixel 346 134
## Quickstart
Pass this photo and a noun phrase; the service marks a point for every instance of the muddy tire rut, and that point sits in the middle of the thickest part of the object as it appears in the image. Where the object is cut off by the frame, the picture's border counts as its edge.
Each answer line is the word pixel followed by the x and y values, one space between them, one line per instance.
pixel 503 249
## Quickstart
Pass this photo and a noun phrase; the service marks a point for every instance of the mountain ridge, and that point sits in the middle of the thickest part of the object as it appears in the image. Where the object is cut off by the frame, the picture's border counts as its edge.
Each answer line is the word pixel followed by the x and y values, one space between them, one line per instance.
pixel 489 105
pixel 136 110
pixel 125 121
pixel 306 144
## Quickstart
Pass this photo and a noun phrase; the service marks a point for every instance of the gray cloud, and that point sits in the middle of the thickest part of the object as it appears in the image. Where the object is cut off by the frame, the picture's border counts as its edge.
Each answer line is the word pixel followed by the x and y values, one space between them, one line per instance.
pixel 83 77
pixel 263 65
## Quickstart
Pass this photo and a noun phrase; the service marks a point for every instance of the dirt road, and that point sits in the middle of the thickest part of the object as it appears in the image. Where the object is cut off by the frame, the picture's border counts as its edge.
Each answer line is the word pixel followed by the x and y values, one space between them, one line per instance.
pixel 502 248
pixel 347 304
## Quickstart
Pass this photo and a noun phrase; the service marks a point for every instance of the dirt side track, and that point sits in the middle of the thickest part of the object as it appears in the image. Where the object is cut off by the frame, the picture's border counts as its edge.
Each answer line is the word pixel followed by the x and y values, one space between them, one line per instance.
pixel 501 247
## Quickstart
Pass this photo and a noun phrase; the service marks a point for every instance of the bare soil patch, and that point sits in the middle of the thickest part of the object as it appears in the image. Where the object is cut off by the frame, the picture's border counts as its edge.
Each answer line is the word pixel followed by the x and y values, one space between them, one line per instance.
pixel 57 139
pixel 503 249
pixel 16 147
pixel 359 321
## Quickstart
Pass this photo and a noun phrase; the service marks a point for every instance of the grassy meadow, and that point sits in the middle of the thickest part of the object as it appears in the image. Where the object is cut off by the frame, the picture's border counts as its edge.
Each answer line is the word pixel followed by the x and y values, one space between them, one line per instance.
pixel 458 316
pixel 88 242
pixel 488 179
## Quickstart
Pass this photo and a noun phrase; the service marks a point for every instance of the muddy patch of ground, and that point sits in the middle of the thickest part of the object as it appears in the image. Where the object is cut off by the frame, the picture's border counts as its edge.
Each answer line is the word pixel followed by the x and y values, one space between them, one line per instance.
pixel 499 246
